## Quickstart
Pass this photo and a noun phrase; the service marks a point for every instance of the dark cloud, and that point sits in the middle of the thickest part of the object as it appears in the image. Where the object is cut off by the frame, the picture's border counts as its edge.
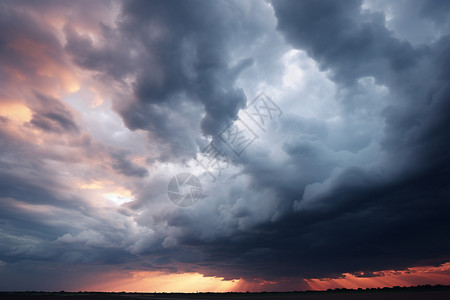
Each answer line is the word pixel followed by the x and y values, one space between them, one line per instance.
pixel 50 114
pixel 358 218
pixel 353 45
pixel 339 38
pixel 86 55
pixel 436 11
pixel 3 120
pixel 126 167
pixel 181 61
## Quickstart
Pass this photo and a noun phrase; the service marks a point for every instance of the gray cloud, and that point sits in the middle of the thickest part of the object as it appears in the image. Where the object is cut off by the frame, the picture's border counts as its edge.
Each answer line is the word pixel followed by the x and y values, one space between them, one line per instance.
pixel 126 167
pixel 51 115
pixel 181 60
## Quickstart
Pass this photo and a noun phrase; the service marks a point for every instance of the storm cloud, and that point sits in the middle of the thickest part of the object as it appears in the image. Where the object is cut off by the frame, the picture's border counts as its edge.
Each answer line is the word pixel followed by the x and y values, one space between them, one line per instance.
pixel 98 111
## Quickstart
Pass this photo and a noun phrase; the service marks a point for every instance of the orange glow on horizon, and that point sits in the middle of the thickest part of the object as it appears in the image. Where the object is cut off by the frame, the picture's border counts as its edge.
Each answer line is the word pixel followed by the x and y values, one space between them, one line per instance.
pixel 148 281
pixel 387 278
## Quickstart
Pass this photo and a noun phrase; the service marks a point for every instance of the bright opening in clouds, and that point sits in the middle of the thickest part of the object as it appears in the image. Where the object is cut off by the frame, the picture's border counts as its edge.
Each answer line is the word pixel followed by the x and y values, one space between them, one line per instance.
pixel 224 145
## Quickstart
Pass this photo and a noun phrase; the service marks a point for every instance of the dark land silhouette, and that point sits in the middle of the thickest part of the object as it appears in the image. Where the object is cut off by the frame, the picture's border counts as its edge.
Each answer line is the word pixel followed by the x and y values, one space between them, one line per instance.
pixel 426 292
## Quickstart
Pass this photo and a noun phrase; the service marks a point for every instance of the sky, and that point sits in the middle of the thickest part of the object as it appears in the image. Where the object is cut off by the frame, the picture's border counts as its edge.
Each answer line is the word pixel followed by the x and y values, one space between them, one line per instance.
pixel 224 145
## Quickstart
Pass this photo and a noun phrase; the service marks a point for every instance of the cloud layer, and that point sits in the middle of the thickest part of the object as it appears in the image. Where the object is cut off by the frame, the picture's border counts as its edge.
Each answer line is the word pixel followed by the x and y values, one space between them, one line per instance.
pixel 98 111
